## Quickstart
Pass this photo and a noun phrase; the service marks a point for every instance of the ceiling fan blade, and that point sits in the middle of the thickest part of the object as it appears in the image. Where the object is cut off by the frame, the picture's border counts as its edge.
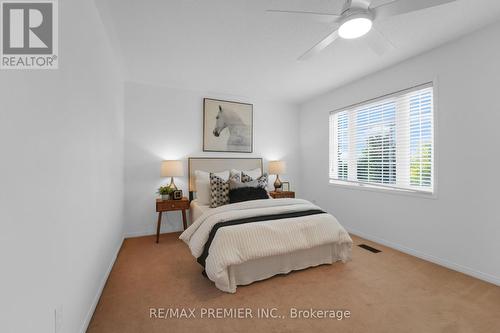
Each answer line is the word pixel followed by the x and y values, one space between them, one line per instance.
pixel 399 7
pixel 324 43
pixel 379 43
pixel 301 12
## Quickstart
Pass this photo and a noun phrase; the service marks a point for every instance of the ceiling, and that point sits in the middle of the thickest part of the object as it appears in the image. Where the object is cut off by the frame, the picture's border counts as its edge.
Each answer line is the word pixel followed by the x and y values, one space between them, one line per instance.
pixel 234 47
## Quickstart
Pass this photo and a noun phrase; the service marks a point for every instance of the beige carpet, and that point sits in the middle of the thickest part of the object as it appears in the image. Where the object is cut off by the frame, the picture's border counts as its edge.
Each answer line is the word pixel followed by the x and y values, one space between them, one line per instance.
pixel 385 292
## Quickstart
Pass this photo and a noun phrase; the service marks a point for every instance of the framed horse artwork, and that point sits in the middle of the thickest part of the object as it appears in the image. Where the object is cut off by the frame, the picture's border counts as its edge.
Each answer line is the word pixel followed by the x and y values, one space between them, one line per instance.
pixel 227 126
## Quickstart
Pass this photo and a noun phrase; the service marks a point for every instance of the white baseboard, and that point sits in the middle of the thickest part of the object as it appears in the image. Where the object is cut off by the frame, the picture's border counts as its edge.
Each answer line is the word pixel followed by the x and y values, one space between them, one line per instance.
pixel 442 262
pixel 146 233
pixel 139 234
pixel 90 313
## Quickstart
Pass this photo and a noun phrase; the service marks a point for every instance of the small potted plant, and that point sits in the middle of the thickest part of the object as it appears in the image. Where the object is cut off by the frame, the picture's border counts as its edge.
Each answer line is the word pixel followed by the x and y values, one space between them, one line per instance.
pixel 165 192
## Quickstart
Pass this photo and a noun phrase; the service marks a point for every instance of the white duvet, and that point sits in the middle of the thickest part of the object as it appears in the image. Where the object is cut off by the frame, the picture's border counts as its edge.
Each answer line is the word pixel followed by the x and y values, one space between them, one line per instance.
pixel 233 245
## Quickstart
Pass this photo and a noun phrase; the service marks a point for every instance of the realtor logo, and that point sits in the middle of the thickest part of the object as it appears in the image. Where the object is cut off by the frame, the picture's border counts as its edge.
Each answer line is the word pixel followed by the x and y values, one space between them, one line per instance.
pixel 29 35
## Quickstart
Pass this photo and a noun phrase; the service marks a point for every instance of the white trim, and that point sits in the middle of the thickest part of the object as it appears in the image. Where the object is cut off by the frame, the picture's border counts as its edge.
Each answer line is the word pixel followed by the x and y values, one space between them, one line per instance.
pixel 374 188
pixel 139 234
pixel 146 233
pixel 435 143
pixel 373 101
pixel 104 279
pixel 441 262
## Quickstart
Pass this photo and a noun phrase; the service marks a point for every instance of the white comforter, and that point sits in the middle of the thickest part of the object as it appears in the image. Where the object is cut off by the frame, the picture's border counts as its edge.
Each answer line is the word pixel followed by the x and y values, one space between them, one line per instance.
pixel 233 245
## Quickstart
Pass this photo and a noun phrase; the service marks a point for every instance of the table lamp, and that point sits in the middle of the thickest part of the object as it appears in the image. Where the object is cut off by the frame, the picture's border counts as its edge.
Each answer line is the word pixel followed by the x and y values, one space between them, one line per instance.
pixel 172 169
pixel 277 168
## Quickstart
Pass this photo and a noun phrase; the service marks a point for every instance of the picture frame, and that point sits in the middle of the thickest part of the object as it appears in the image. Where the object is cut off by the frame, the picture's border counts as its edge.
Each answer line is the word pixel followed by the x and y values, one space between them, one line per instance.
pixel 227 126
pixel 177 195
pixel 285 186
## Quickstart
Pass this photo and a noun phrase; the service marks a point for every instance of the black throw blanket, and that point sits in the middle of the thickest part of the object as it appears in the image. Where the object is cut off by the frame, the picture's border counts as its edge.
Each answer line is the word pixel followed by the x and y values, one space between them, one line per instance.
pixel 201 260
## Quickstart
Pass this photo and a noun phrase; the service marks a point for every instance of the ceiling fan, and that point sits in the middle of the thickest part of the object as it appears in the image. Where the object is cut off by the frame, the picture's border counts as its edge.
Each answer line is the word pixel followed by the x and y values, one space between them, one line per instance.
pixel 357 18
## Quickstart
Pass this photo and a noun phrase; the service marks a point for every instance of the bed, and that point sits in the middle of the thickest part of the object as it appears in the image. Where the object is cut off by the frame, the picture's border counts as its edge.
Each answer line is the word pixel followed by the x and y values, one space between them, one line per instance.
pixel 283 234
pixel 196 209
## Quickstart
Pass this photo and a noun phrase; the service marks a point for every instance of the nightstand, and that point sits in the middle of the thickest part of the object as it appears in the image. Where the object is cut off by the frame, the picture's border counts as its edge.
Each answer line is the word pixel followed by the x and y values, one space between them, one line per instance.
pixel 282 194
pixel 168 206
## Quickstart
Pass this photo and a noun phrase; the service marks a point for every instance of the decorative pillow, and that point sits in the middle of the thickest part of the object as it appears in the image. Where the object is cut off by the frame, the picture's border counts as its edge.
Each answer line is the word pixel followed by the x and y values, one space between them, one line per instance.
pixel 262 180
pixel 234 184
pixel 202 184
pixel 247 194
pixel 219 190
pixel 255 173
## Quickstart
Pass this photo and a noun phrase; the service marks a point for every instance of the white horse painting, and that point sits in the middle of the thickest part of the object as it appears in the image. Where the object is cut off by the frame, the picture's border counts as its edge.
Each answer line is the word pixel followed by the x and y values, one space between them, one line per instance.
pixel 240 135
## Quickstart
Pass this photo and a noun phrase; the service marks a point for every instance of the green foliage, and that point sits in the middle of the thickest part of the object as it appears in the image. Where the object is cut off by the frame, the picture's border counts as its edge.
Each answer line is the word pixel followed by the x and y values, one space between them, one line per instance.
pixel 377 163
pixel 421 166
pixel 164 190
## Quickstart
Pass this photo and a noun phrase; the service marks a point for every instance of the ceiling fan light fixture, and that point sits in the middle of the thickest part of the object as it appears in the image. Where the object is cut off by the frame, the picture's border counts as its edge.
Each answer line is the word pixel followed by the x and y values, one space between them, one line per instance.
pixel 355 26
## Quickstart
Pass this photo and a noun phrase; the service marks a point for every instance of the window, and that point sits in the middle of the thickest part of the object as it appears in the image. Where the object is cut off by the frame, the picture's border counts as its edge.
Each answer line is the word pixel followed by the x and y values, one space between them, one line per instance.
pixel 387 142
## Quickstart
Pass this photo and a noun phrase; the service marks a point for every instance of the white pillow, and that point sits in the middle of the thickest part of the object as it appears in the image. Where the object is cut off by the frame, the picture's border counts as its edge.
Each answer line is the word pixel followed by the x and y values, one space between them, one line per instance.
pixel 254 174
pixel 202 184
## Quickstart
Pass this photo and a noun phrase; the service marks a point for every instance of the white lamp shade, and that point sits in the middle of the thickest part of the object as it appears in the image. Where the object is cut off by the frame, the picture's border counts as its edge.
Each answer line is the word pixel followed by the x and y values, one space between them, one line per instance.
pixel 277 167
pixel 172 169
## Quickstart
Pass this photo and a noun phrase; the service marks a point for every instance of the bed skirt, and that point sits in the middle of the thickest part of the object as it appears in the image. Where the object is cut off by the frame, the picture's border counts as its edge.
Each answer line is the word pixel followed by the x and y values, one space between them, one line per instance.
pixel 264 268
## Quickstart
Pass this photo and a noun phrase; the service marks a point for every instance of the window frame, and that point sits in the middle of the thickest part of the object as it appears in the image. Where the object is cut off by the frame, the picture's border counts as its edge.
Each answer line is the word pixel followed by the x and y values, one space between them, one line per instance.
pixel 384 188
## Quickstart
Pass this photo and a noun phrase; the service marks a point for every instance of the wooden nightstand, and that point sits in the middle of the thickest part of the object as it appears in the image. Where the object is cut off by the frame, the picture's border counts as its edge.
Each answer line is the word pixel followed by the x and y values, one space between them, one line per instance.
pixel 168 206
pixel 282 194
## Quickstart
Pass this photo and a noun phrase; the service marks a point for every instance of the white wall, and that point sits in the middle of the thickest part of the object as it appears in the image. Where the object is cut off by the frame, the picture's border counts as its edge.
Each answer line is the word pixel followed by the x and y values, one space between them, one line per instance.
pixel 164 123
pixel 61 176
pixel 461 227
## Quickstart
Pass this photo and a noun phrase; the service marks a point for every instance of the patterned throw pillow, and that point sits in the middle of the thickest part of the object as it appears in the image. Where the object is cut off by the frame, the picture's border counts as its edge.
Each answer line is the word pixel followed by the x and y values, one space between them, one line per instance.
pixel 262 180
pixel 234 184
pixel 219 190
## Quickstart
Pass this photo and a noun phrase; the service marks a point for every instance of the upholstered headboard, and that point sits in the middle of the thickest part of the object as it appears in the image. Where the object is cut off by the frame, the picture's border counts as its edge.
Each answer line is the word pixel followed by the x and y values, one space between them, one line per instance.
pixel 218 164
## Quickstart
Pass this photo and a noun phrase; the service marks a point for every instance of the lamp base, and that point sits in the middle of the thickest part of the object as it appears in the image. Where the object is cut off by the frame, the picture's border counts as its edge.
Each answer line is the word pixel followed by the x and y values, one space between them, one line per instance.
pixel 172 184
pixel 278 184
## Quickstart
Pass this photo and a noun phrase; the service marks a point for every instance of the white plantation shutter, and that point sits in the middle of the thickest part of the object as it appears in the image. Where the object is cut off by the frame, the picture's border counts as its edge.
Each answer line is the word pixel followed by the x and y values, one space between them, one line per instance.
pixel 386 142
